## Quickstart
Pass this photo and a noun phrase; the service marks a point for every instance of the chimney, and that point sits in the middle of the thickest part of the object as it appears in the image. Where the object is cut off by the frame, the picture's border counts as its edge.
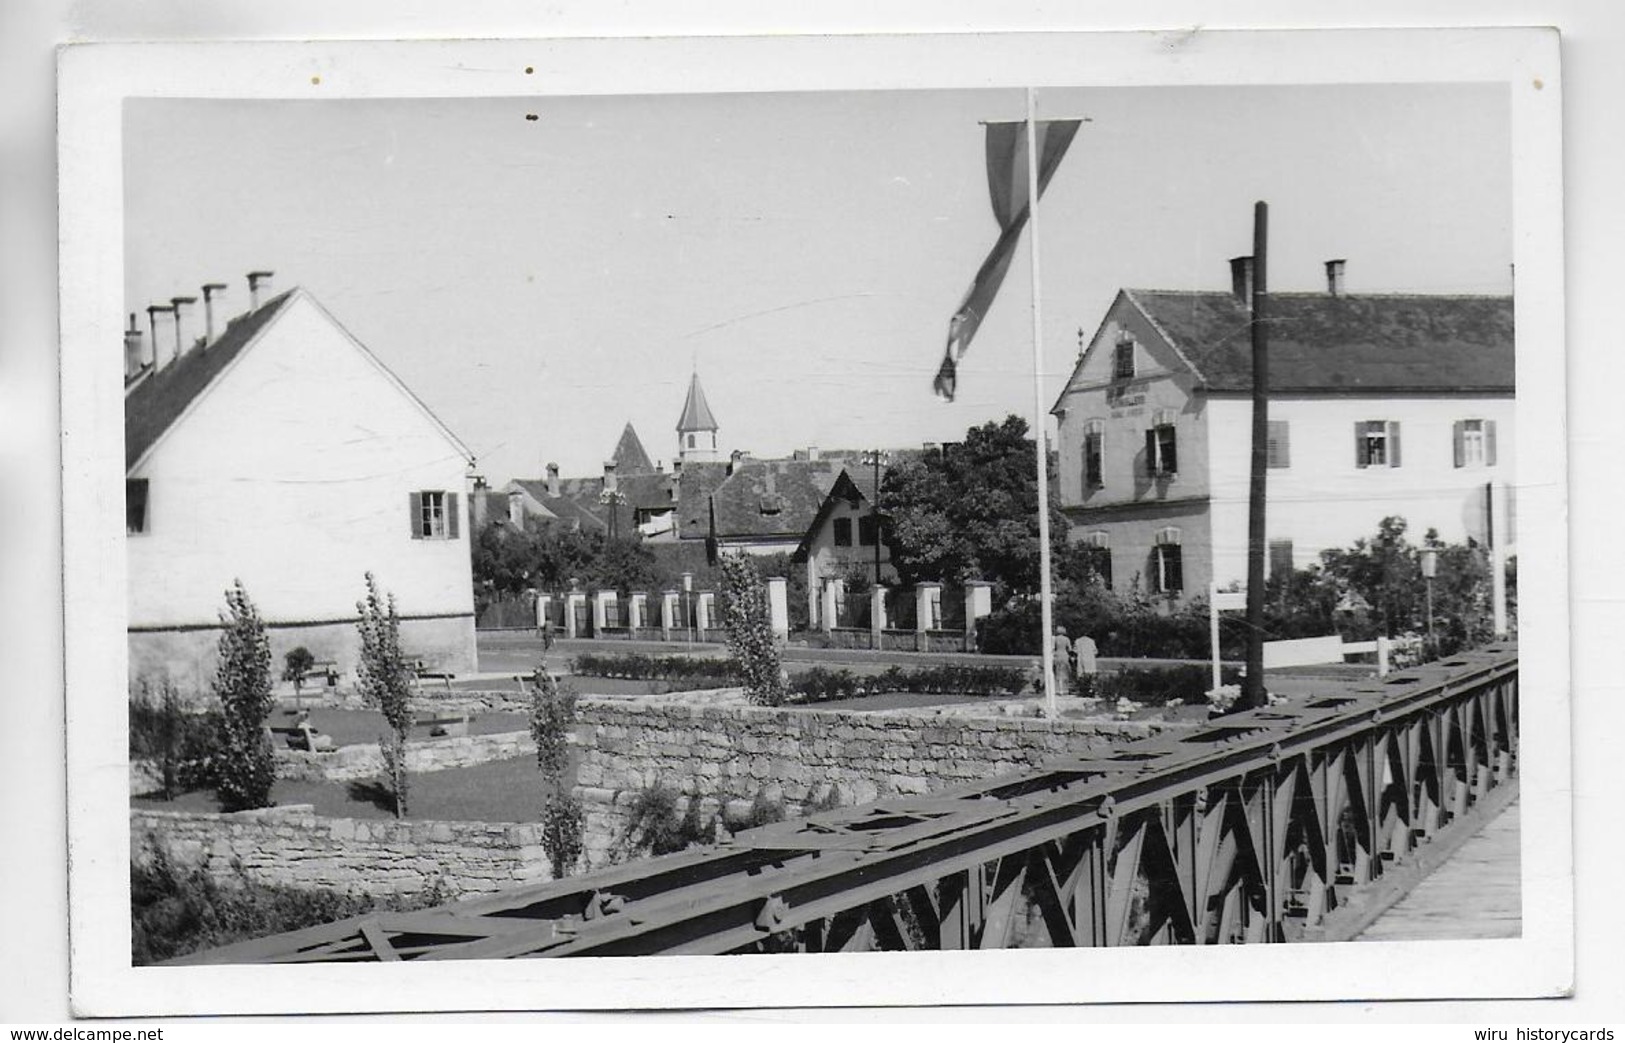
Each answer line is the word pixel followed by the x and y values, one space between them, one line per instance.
pixel 610 483
pixel 516 509
pixel 257 282
pixel 180 304
pixel 552 479
pixel 153 311
pixel 1241 280
pixel 812 453
pixel 733 460
pixel 211 290
pixel 1334 277
pixel 133 361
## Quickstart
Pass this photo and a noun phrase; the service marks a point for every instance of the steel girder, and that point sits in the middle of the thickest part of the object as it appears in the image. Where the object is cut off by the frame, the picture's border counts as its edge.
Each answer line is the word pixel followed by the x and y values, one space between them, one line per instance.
pixel 1247 830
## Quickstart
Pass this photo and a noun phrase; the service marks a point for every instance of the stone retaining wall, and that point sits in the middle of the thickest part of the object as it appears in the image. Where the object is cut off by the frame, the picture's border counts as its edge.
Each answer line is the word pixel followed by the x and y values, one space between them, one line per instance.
pixel 294 847
pixel 366 761
pixel 734 753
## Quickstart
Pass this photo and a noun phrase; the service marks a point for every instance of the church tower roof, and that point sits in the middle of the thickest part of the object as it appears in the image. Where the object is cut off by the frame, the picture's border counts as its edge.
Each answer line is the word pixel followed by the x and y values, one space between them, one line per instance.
pixel 629 456
pixel 696 412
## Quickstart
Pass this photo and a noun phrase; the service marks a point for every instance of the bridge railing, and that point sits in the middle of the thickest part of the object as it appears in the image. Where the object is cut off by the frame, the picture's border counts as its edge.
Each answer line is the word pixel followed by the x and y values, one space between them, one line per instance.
pixel 1250 830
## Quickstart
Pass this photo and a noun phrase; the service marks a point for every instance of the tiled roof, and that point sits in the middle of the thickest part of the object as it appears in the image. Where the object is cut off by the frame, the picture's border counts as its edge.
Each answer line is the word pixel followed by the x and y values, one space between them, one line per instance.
pixel 771 497
pixel 157 402
pixel 695 482
pixel 630 457
pixel 696 412
pixel 1321 342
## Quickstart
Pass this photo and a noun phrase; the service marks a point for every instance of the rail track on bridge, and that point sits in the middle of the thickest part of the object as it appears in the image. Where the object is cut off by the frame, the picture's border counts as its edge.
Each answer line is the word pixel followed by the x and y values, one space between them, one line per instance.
pixel 1252 829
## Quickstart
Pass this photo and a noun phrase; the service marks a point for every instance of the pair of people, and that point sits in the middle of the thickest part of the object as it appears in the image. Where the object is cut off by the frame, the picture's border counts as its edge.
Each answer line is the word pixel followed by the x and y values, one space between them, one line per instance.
pixel 1082 662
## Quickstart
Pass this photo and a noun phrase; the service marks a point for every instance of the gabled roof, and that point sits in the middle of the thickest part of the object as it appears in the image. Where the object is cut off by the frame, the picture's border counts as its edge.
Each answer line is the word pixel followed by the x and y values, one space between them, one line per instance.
pixel 770 497
pixel 158 401
pixel 630 457
pixel 152 407
pixel 696 412
pixel 851 488
pixel 1320 342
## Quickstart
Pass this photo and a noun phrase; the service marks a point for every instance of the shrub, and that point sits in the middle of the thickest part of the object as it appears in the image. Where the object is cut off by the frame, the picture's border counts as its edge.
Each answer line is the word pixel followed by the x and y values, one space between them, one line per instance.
pixel 385 683
pixel 689 671
pixel 821 684
pixel 654 826
pixel 175 911
pixel 245 770
pixel 750 631
pixel 1158 685
pixel 552 714
pixel 180 743
pixel 563 827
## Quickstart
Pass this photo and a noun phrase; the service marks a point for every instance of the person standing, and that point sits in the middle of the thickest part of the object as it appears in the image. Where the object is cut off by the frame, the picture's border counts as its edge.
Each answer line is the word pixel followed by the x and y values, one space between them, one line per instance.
pixel 1085 664
pixel 1061 653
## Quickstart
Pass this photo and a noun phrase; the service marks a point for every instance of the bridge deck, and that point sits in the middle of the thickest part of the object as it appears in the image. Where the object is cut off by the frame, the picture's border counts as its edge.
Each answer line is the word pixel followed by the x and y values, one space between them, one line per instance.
pixel 1473 895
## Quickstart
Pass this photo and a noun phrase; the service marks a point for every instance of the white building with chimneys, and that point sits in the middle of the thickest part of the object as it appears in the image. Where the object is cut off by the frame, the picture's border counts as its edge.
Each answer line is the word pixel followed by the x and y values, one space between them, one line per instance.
pixel 276 449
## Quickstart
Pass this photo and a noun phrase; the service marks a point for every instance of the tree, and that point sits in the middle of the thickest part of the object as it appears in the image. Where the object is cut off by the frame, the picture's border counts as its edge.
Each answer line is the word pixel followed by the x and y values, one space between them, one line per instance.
pixel 546 556
pixel 294 665
pixel 242 683
pixel 552 714
pixel 750 631
pixel 971 512
pixel 385 683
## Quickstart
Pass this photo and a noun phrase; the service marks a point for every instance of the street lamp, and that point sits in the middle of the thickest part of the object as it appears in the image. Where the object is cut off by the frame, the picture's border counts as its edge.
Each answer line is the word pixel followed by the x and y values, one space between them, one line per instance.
pixel 1430 569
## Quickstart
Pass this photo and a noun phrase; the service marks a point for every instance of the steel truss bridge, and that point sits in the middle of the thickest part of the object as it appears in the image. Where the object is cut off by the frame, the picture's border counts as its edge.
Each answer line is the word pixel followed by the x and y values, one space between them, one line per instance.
pixel 1252 829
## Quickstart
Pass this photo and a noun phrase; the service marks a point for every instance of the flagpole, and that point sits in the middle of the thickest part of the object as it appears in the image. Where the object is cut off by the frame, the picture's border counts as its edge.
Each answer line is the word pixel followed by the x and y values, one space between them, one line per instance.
pixel 1047 613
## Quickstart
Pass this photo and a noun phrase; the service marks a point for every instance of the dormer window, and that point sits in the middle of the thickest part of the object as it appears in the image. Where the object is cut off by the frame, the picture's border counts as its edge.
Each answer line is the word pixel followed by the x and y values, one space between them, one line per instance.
pixel 1123 361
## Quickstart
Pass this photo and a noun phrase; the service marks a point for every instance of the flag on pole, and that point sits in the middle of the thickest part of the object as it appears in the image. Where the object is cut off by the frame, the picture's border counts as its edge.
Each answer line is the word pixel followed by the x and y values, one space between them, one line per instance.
pixel 1007 185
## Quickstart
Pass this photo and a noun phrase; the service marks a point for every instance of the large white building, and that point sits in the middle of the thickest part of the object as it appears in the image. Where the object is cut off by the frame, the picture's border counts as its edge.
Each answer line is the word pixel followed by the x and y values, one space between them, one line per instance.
pixel 1379 405
pixel 283 453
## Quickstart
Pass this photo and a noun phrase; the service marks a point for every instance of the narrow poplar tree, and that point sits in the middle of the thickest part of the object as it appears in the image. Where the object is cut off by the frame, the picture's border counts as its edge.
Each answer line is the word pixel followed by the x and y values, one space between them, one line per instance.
pixel 385 683
pixel 242 683
pixel 750 631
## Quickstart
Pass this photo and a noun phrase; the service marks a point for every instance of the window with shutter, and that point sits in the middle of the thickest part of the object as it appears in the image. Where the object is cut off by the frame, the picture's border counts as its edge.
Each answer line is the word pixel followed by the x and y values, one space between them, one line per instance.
pixel 843 532
pixel 1376 443
pixel 433 515
pixel 1167 562
pixel 1162 446
pixel 1123 361
pixel 868 530
pixel 1098 556
pixel 1473 442
pixel 1094 454
pixel 1279 444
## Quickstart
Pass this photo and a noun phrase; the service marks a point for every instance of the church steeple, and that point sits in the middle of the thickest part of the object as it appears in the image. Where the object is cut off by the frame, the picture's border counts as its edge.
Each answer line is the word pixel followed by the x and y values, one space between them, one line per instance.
pixel 696 428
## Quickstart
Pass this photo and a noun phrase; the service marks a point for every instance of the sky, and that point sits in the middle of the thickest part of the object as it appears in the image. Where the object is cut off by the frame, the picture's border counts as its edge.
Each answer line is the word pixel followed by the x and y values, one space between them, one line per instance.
pixel 541 282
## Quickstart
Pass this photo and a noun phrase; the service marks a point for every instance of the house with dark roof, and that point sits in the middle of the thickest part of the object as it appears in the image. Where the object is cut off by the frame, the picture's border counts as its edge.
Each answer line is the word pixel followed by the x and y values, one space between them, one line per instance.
pixel 846 533
pixel 283 453
pixel 1380 404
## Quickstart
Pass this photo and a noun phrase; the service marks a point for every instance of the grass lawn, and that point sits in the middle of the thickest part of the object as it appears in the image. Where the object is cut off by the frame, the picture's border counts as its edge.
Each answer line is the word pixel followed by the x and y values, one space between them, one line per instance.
pixel 497 791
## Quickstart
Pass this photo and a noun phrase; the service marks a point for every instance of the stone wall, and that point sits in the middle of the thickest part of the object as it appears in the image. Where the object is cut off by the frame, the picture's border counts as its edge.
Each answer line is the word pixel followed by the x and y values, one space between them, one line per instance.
pixel 733 753
pixel 294 847
pixel 366 761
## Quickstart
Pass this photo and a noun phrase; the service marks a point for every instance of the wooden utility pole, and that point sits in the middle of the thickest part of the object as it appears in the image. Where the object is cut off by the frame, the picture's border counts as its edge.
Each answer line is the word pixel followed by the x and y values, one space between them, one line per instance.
pixel 1252 692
